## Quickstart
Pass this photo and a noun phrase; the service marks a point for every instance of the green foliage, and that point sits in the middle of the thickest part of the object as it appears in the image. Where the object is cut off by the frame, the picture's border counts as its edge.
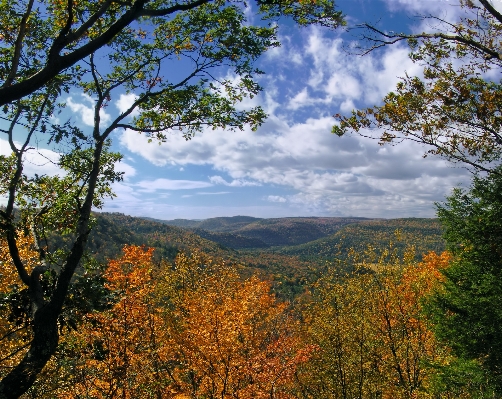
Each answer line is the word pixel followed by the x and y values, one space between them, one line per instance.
pixel 424 234
pixel 467 313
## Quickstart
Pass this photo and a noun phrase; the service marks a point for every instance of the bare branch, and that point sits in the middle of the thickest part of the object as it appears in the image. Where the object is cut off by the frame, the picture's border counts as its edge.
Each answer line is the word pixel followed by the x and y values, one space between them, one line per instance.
pixel 394 38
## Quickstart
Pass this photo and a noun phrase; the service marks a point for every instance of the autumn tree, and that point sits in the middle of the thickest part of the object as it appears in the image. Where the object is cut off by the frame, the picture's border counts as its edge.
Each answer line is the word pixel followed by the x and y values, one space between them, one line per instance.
pixel 232 338
pixel 106 49
pixel 121 351
pixel 15 333
pixel 373 337
pixel 193 330
pixel 455 108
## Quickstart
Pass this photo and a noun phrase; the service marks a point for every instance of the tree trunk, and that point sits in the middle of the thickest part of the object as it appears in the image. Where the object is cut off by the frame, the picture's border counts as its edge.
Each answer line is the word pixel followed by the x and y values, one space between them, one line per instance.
pixel 44 344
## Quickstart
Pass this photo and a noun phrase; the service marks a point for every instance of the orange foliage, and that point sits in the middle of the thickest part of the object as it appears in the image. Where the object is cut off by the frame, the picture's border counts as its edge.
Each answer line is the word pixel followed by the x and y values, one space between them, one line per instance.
pixel 373 336
pixel 14 331
pixel 404 336
pixel 195 330
pixel 236 341
pixel 123 348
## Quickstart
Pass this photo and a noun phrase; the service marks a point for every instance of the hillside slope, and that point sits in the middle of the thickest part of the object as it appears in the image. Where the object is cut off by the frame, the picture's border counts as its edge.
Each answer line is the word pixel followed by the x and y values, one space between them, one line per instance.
pixel 264 232
pixel 290 268
pixel 424 234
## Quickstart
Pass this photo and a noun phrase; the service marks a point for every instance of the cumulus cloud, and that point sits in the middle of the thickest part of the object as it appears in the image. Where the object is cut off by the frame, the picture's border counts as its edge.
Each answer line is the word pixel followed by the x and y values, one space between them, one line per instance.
pixel 432 7
pixel 86 112
pixel 205 193
pixel 345 77
pixel 324 169
pixel 294 149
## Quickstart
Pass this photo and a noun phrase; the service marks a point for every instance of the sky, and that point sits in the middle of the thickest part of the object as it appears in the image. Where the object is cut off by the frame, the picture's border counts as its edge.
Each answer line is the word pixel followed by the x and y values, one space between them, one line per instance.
pixel 292 165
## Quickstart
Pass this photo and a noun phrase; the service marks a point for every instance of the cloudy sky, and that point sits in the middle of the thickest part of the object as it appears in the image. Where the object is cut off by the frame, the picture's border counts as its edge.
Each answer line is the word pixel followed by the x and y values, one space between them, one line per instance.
pixel 293 165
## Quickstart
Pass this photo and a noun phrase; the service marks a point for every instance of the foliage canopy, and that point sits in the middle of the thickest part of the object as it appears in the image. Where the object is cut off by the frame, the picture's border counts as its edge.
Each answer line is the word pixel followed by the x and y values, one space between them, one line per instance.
pixel 465 311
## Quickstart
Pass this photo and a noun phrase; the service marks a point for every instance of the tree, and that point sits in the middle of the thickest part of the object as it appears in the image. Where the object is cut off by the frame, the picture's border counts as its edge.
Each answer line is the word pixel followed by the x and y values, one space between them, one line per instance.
pixel 466 312
pixel 455 109
pixel 15 333
pixel 373 338
pixel 231 337
pixel 106 49
pixel 122 351
pixel 43 42
pixel 193 330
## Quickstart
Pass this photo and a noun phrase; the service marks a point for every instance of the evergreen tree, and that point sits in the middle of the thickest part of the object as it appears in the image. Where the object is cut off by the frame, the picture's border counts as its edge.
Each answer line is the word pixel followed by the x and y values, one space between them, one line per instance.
pixel 466 312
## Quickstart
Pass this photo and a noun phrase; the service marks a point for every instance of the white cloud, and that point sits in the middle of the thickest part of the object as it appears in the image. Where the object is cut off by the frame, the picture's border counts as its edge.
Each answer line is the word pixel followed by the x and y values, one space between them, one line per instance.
pixel 127 169
pixel 276 198
pixel 294 149
pixel 36 161
pixel 348 77
pixel 87 112
pixel 348 175
pixel 150 186
pixel 299 100
pixel 426 7
pixel 125 102
pixel 285 54
pixel 233 183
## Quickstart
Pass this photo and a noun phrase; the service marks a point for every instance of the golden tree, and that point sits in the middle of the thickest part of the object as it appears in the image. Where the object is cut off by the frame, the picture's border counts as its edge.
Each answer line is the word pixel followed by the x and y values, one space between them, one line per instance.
pixel 373 337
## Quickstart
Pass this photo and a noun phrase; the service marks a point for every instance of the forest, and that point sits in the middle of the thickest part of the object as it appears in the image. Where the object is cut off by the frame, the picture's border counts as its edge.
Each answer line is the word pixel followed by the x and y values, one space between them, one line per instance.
pixel 106 305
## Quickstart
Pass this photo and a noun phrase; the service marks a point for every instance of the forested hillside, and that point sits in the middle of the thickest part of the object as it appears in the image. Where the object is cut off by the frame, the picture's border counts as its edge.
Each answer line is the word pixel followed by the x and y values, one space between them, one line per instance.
pixel 269 232
pixel 113 230
pixel 423 234
pixel 289 268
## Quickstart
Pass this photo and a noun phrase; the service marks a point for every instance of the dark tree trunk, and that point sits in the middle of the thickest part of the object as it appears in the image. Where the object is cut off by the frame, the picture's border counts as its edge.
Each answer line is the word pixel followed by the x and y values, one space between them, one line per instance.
pixel 44 344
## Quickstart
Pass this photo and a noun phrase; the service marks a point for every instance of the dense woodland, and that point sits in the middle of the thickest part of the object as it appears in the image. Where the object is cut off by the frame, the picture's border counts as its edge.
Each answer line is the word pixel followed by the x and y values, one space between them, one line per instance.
pixel 99 305
pixel 204 320
pixel 172 314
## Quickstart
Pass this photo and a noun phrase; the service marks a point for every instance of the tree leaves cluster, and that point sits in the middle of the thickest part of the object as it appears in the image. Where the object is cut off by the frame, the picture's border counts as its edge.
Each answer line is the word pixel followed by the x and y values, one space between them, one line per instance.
pixel 455 108
pixel 465 311
pixel 197 329
pixel 193 330
pixel 373 337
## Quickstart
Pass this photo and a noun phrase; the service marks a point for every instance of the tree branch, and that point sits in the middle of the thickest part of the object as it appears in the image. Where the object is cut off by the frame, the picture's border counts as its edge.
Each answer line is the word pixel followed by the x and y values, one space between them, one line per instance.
pixel 486 4
pixel 57 63
pixel 453 38
pixel 18 46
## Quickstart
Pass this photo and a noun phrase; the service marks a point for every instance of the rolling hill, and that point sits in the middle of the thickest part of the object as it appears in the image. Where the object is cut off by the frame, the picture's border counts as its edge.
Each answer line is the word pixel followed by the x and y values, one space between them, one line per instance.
pixel 289 252
pixel 424 234
pixel 264 232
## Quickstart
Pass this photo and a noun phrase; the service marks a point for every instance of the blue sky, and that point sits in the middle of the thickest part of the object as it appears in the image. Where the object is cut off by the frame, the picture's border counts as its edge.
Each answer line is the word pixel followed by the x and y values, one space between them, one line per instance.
pixel 291 166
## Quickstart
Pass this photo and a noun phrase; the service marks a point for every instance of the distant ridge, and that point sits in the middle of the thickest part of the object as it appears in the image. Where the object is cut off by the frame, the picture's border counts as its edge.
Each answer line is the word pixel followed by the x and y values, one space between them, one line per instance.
pixel 265 247
pixel 239 232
